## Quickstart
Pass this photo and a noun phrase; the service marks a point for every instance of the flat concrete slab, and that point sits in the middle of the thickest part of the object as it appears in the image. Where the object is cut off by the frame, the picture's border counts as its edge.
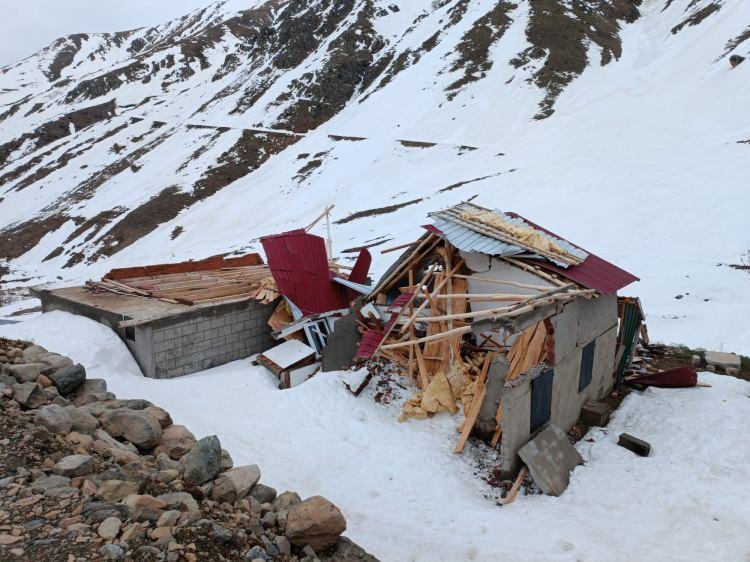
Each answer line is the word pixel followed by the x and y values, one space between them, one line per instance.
pixel 724 360
pixel 134 307
pixel 550 458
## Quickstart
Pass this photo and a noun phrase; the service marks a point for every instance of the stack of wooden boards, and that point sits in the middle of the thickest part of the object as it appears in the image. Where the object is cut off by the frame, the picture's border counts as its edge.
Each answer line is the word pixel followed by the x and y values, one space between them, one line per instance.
pixel 198 287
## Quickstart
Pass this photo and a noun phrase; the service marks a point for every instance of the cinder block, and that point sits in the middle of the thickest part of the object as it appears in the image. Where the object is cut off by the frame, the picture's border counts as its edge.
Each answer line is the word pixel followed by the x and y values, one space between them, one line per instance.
pixel 158 336
pixel 595 413
pixel 638 446
pixel 550 458
pixel 187 330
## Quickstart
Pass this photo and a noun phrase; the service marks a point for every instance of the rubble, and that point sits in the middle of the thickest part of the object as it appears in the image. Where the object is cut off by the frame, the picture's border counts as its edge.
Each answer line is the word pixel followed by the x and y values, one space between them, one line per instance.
pixel 152 493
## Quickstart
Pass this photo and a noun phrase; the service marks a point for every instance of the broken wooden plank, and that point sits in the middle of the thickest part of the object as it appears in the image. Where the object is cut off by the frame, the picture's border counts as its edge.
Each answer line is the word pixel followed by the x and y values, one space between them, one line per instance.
pixel 513 493
pixel 476 404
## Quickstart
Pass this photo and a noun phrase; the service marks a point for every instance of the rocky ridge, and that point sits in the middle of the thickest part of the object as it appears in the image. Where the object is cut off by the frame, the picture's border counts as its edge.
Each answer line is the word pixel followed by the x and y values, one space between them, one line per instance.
pixel 84 475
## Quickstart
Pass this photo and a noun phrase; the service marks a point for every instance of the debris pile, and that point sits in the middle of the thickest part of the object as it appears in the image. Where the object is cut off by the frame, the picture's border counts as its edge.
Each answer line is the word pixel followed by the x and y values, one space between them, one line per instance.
pixel 87 476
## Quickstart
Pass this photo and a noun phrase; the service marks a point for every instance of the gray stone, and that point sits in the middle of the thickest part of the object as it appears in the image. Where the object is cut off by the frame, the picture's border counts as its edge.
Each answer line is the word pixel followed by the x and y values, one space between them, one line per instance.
pixel 31 353
pixel 638 446
pixel 285 500
pixel 25 372
pixel 176 441
pixel 139 428
pixel 256 553
pixel 222 490
pixel 315 522
pixel 732 371
pixel 348 551
pixel 8 380
pixel 74 465
pixel 226 460
pixel 92 390
pixel 109 528
pixel 29 394
pixel 243 479
pixel 49 483
pixel 68 379
pixel 53 362
pixel 203 461
pixel 99 511
pixel 283 544
pixel 181 501
pixel 550 458
pixel 169 518
pixel 595 414
pixel 263 493
pixel 160 415
pixel 55 418
pixel 83 422
pixel 113 443
pixel 165 463
pixel 112 552
pixel 723 360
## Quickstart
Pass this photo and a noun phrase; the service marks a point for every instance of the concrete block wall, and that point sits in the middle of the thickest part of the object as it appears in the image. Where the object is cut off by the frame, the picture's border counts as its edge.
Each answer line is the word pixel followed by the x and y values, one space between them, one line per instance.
pixel 203 339
pixel 576 324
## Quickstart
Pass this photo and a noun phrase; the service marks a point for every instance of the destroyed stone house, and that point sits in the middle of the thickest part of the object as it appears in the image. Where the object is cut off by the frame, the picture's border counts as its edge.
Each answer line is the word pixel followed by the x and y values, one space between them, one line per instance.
pixel 489 310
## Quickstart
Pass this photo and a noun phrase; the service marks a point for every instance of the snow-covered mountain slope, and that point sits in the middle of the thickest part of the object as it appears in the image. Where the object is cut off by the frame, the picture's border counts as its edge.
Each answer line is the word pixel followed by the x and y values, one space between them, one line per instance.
pixel 616 123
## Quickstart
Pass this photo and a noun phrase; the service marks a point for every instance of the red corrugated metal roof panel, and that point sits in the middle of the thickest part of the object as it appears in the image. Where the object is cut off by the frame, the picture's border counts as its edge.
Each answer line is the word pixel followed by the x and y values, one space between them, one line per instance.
pixel 594 273
pixel 369 343
pixel 299 265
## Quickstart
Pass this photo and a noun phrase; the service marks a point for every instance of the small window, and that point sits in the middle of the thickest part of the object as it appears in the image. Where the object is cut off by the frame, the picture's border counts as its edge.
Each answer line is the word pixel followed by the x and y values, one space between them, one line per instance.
pixel 541 399
pixel 130 333
pixel 587 366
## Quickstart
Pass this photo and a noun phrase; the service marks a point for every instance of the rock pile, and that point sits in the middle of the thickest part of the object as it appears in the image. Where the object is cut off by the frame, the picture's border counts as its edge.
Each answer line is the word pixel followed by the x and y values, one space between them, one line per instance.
pixel 87 476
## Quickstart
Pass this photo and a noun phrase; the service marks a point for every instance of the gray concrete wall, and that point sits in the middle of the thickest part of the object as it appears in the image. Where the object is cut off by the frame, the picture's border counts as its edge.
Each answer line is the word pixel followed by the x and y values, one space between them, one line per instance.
pixel 206 338
pixel 189 342
pixel 576 324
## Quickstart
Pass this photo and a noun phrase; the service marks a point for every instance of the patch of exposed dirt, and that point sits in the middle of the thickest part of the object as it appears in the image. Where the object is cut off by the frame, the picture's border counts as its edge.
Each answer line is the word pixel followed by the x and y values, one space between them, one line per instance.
pixel 379 211
pixel 94 224
pixel 201 150
pixel 697 17
pixel 68 47
pixel 560 37
pixel 105 83
pixel 59 128
pixel 732 44
pixel 416 144
pixel 349 68
pixel 467 182
pixel 16 240
pixel 474 48
pixel 176 232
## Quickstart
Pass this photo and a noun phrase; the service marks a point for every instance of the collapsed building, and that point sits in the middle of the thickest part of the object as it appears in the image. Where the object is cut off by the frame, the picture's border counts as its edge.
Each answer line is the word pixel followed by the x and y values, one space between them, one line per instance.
pixel 485 310
pixel 492 311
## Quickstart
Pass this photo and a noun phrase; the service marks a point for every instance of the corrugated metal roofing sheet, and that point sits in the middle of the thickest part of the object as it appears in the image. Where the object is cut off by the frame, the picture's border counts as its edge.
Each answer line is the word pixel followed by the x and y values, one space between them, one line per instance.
pixel 594 272
pixel 369 343
pixel 299 265
pixel 459 233
pixel 469 240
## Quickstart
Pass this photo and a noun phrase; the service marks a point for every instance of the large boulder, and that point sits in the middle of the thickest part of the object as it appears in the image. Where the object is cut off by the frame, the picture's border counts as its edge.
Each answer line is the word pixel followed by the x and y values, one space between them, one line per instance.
pixel 31 353
pixel 68 379
pixel 29 394
pixel 203 461
pixel 139 428
pixel 55 418
pixel 25 372
pixel 91 390
pixel 243 478
pixel 74 465
pixel 83 422
pixel 176 442
pixel 53 362
pixel 160 415
pixel 236 483
pixel 315 522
